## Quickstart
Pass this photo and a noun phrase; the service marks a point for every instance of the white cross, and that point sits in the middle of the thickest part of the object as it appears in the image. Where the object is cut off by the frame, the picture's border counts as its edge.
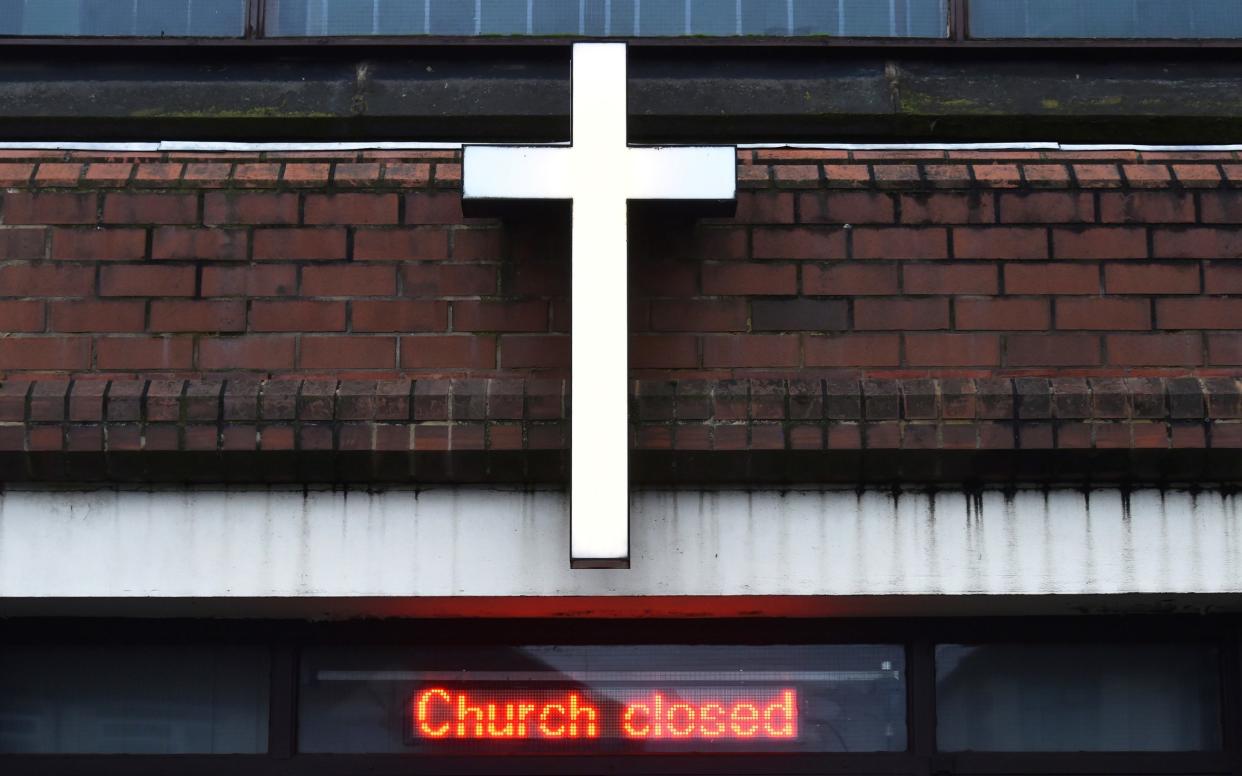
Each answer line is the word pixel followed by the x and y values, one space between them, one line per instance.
pixel 599 173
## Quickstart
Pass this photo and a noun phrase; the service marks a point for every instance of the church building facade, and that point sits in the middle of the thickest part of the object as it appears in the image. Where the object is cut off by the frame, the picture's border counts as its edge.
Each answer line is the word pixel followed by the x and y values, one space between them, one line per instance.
pixel 801 388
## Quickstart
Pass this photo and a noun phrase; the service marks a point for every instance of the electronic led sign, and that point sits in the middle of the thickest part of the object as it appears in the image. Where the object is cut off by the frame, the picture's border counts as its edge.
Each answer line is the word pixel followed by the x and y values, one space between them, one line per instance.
pixel 440 712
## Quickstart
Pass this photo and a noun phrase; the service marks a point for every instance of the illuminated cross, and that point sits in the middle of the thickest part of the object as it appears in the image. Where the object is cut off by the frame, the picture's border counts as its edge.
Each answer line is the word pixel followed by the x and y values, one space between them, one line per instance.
pixel 599 174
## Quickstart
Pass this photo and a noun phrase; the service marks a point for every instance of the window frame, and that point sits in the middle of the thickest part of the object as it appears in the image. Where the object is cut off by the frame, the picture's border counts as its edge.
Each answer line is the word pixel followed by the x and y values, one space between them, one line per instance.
pixel 919 637
pixel 957 37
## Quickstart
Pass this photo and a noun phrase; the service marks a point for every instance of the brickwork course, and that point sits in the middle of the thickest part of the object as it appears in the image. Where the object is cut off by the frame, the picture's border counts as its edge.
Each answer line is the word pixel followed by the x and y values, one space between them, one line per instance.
pixel 857 300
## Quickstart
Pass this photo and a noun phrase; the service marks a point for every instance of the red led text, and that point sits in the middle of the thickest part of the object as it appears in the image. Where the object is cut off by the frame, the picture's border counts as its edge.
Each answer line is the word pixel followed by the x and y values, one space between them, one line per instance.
pixel 440 713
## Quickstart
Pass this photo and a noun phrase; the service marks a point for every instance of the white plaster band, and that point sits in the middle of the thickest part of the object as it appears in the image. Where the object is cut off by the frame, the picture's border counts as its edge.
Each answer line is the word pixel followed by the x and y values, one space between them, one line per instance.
pixel 490 544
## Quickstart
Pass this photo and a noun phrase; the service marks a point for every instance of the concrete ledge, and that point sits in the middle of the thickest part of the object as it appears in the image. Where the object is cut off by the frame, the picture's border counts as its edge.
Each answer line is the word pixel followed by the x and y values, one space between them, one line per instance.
pixel 401 545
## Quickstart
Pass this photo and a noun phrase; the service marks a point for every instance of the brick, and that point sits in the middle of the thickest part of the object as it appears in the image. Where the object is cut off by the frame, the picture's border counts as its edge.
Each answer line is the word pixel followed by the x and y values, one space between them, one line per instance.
pixel 411 175
pixel 1199 313
pixel 437 280
pixel 256 175
pixel 347 174
pixel 948 176
pixel 46 280
pixel 749 279
pixel 1051 279
pixel 864 279
pixel 25 316
pixel 150 208
pixel 163 399
pixel 969 207
pixel 1099 243
pixel 482 244
pixel 1197 176
pixel 500 316
pixel 1203 243
pixel 22 243
pixel 15 174
pixel 1221 207
pixel 86 401
pixel 144 353
pixel 98 316
pixel 1147 176
pixel 901 314
pixel 250 208
pixel 1052 350
pixel 952 349
pixel 1219 278
pixel 347 209
pixel 105 174
pixel 399 316
pixel 796 175
pixel 900 243
pixel 852 350
pixel 662 351
pixel 997 176
pixel 98 244
pixel 448 352
pixel 255 353
pixel 1181 350
pixel 419 243
pixel 768 207
pixel 896 176
pixel 1224 349
pixel 1002 314
pixel 1097 176
pixel 303 174
pixel 348 353
pixel 448 174
pixel 58 174
pixel 792 155
pixel 538 351
pixel 158 174
pixel 1147 207
pixel 44 208
pixel 433 207
pixel 1000 242
pixel 750 176
pixel 207 174
pixel 297 316
pixel 1103 314
pixel 355 280
pixel 1151 278
pixel 1047 176
pixel 1047 207
pixel 254 280
pixel 798 243
pixel 994 399
pixel 198 316
pixel 799 315
pixel 699 315
pixel 847 176
pixel 845 207
pixel 944 278
pixel 756 350
pixel 139 280
pixel 172 242
pixel 307 244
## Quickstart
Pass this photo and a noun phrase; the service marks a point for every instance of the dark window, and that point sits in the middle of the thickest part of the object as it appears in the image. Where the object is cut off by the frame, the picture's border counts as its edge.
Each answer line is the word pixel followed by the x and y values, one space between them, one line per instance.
pixel 1043 698
pixel 617 18
pixel 133 700
pixel 1106 18
pixel 636 699
pixel 145 18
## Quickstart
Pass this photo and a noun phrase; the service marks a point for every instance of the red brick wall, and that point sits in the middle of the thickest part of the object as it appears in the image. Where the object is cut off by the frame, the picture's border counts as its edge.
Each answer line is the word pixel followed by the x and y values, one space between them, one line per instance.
pixel 884 264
